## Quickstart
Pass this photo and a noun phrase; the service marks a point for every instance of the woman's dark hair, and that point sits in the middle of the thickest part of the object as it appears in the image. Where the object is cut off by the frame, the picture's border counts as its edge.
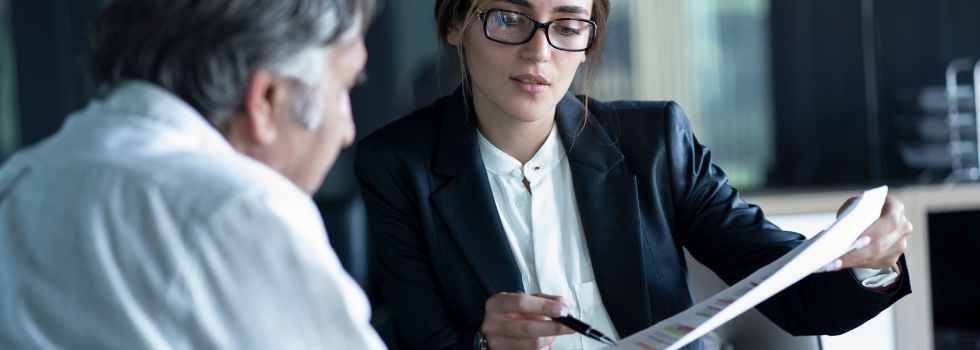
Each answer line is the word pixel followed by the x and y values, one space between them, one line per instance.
pixel 459 13
pixel 206 51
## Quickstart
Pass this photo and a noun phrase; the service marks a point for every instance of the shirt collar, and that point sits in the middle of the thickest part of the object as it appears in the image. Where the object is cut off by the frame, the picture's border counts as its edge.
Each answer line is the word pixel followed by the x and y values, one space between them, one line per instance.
pixel 146 100
pixel 546 159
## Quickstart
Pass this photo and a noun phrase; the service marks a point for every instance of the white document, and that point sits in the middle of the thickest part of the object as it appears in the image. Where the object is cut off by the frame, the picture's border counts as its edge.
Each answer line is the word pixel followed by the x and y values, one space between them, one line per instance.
pixel 810 256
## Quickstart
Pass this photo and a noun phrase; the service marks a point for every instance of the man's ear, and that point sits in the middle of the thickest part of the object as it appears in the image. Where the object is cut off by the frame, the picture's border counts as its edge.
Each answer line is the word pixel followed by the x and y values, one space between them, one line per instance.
pixel 259 111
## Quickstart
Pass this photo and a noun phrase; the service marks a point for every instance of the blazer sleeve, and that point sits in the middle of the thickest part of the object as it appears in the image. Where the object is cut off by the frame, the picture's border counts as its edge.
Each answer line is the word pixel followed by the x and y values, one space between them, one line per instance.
pixel 734 240
pixel 421 317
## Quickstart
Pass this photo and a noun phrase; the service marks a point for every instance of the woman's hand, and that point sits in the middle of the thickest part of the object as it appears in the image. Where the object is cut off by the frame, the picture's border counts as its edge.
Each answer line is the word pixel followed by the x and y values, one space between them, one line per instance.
pixel 883 243
pixel 519 321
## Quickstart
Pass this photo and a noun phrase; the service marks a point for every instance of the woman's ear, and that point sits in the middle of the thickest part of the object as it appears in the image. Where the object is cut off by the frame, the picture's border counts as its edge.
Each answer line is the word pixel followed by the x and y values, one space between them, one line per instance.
pixel 452 35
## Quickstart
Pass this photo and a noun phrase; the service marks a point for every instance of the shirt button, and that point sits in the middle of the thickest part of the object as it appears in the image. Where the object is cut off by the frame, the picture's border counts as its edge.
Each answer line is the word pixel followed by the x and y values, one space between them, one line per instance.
pixel 516 173
pixel 520 204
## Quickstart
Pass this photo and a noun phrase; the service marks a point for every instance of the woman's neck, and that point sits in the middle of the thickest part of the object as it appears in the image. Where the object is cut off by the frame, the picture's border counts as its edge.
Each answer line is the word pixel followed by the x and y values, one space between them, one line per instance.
pixel 519 139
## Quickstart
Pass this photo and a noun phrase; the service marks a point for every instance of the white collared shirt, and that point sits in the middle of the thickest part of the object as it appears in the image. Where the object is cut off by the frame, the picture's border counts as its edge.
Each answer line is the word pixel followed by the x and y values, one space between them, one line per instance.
pixel 545 232
pixel 137 226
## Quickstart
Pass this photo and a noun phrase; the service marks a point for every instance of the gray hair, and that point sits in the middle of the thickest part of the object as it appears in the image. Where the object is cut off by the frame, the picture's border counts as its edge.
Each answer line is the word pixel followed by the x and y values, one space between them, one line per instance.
pixel 206 51
pixel 310 71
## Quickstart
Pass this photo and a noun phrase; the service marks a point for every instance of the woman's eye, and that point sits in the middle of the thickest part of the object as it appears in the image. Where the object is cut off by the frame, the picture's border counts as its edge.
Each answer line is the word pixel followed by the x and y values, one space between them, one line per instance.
pixel 567 30
pixel 510 19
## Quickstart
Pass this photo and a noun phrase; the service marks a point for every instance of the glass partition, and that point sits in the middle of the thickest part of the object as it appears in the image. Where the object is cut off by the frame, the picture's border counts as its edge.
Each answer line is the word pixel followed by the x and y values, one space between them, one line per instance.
pixel 710 56
pixel 9 116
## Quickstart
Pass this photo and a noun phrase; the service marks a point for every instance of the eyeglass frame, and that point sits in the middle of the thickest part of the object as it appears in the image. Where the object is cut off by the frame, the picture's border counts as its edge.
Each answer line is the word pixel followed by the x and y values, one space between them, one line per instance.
pixel 537 25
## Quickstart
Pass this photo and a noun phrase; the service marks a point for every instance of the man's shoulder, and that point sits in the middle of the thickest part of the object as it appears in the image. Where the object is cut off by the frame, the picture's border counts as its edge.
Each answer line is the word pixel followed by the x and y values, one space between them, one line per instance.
pixel 189 185
pixel 203 183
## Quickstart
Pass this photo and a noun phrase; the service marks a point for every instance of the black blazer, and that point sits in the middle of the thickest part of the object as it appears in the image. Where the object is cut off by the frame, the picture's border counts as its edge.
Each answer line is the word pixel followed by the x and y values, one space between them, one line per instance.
pixel 645 187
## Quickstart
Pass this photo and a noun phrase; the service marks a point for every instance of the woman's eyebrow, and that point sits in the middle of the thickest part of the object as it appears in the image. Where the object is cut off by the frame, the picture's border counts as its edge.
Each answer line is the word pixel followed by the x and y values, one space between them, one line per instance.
pixel 522 3
pixel 571 9
pixel 558 9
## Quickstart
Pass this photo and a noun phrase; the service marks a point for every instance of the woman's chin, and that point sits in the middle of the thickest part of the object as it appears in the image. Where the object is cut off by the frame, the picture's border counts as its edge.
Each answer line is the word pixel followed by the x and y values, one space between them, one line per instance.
pixel 531 111
pixel 525 117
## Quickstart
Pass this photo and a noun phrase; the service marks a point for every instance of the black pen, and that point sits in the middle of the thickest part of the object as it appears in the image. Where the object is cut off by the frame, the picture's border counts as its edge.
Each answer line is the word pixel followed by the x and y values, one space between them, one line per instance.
pixel 583 328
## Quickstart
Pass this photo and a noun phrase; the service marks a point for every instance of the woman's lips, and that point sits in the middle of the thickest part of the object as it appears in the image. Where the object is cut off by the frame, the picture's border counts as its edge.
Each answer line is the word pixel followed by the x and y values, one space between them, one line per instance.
pixel 530 83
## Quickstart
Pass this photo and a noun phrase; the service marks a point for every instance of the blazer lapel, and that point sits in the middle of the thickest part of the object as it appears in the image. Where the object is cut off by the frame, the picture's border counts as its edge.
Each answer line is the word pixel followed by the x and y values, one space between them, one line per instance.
pixel 466 201
pixel 608 204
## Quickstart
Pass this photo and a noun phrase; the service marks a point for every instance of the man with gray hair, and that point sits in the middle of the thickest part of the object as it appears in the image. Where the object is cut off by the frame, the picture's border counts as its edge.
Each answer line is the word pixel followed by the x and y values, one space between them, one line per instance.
pixel 174 211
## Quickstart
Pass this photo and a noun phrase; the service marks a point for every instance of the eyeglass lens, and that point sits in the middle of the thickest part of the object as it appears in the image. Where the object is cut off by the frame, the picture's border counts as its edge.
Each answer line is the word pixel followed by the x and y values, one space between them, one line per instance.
pixel 516 28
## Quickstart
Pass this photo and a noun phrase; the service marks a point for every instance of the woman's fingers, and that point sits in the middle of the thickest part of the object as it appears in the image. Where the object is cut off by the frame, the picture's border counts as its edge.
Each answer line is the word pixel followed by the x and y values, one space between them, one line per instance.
pixel 518 328
pixel 883 243
pixel 523 303
pixel 876 245
pixel 521 321
pixel 559 299
pixel 847 203
pixel 505 343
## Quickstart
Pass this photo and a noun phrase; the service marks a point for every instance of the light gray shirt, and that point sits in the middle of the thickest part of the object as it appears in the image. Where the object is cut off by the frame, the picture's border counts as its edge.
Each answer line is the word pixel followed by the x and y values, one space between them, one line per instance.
pixel 137 226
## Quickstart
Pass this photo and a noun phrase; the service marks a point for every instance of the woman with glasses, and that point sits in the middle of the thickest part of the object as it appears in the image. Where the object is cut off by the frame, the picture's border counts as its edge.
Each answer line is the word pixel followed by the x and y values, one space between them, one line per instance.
pixel 512 202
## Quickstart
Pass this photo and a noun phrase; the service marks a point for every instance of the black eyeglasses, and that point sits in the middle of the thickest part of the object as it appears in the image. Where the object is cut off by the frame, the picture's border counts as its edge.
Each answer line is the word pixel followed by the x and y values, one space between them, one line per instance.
pixel 515 28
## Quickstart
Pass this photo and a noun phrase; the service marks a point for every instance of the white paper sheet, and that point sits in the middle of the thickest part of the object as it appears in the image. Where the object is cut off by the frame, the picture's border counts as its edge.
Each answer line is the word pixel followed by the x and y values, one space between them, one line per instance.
pixel 815 253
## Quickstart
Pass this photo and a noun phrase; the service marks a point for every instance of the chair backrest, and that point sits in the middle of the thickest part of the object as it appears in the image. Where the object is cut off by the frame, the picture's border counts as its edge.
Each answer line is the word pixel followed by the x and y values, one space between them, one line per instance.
pixel 751 330
pixel 346 222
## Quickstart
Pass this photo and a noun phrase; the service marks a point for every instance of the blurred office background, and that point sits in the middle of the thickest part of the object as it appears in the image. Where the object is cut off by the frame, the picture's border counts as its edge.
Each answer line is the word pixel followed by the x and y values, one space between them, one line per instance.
pixel 792 96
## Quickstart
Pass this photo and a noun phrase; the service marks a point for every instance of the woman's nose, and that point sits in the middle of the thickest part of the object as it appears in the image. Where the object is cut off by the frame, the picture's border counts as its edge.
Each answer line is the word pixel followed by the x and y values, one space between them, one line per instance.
pixel 537 49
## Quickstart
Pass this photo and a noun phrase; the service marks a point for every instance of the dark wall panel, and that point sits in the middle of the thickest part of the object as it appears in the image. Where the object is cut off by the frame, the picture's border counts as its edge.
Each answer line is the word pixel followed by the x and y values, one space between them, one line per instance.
pixel 916 41
pixel 818 90
pixel 953 239
pixel 50 38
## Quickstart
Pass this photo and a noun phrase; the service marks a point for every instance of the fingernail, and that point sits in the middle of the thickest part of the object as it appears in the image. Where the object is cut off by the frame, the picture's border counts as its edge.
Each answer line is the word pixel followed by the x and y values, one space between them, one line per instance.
pixel 838 263
pixel 559 309
pixel 863 242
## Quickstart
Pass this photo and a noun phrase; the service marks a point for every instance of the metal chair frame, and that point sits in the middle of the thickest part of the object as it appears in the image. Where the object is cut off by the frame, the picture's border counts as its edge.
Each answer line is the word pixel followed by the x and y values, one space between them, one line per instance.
pixel 956 144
